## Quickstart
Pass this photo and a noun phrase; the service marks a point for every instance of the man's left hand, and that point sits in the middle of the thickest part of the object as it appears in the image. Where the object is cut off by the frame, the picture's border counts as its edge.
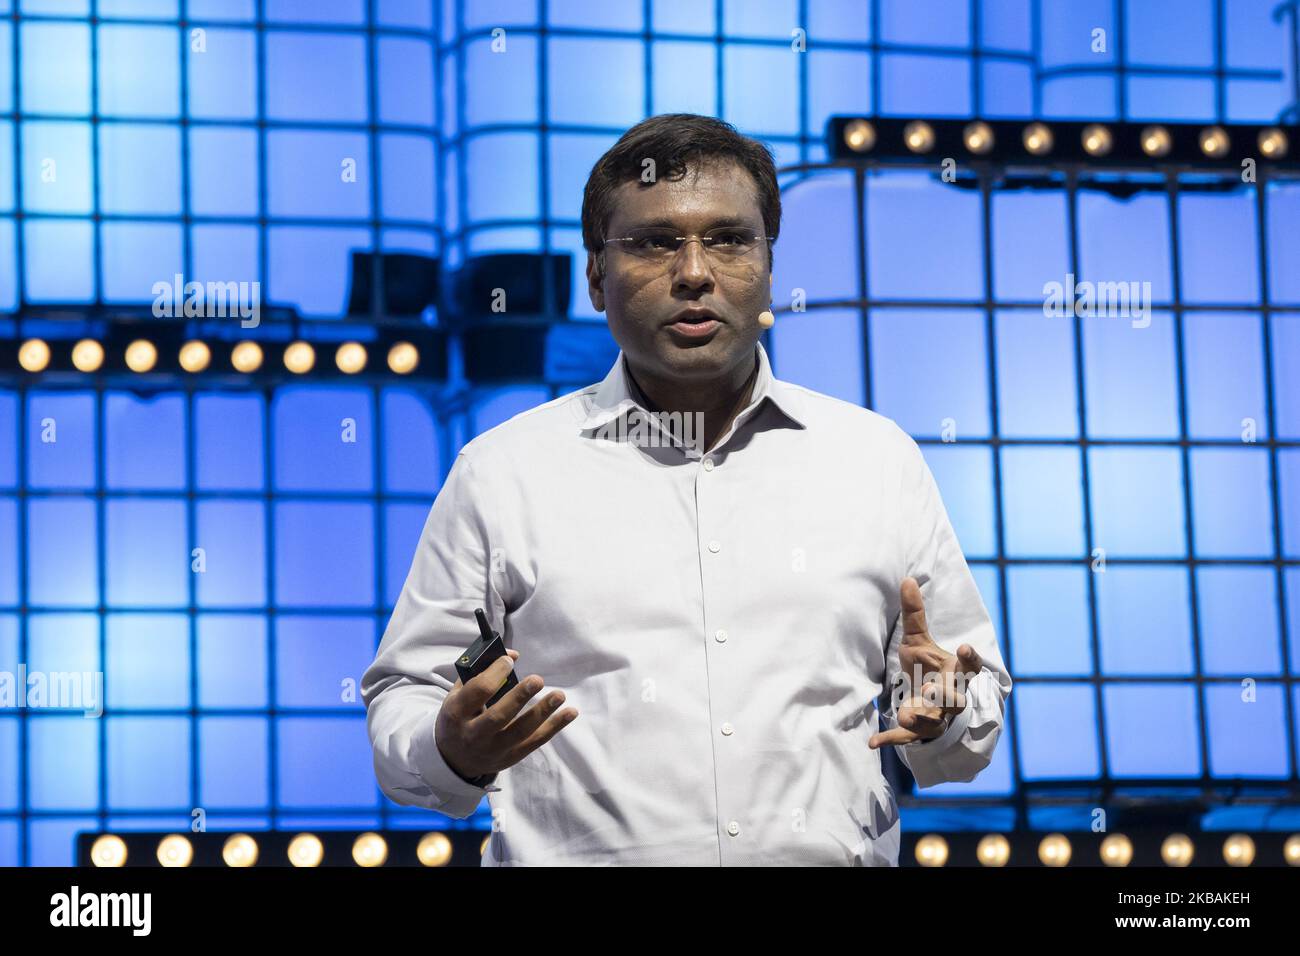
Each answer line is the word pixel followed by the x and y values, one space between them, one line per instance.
pixel 926 715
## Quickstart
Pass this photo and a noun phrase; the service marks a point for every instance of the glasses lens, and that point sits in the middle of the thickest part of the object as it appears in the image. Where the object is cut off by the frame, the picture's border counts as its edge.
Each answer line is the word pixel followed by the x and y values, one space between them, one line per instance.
pixel 652 243
pixel 661 245
pixel 730 243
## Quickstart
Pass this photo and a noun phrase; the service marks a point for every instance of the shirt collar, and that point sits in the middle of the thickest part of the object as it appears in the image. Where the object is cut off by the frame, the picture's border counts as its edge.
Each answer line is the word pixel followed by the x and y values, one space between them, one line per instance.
pixel 615 394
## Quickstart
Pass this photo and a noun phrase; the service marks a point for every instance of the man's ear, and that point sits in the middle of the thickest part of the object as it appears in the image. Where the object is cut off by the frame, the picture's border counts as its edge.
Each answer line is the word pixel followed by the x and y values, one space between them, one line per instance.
pixel 595 282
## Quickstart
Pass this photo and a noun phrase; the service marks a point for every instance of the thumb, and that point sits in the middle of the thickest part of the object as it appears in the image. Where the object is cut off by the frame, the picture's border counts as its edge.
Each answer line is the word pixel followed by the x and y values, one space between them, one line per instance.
pixel 915 627
pixel 514 656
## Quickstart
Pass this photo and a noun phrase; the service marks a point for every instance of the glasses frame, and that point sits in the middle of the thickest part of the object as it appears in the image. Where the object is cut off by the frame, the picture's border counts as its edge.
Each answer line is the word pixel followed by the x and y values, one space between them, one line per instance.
pixel 690 237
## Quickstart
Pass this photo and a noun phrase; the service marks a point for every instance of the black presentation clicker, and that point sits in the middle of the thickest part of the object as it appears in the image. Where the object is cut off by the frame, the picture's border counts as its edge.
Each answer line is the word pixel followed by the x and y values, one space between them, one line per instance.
pixel 480 655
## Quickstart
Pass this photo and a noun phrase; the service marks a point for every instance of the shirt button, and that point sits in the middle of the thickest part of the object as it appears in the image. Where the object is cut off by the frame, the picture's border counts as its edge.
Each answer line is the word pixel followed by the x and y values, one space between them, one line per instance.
pixel 720 635
pixel 708 464
pixel 733 828
pixel 715 547
pixel 727 730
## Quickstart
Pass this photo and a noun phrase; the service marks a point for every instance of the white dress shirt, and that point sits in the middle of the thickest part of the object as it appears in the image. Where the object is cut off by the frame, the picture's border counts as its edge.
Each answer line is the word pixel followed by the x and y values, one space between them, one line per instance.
pixel 722 622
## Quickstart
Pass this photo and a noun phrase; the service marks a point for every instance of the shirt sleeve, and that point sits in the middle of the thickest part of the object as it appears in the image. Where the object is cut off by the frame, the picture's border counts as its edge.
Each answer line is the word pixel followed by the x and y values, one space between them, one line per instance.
pixel 414 668
pixel 956 615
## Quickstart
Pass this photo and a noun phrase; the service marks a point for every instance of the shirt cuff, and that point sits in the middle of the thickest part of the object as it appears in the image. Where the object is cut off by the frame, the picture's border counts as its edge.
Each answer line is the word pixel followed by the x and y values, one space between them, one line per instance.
pixel 457 796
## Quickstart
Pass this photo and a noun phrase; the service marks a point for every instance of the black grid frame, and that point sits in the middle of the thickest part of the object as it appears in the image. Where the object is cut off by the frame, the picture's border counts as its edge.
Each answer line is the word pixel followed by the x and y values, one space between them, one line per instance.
pixel 454 405
pixel 1205 791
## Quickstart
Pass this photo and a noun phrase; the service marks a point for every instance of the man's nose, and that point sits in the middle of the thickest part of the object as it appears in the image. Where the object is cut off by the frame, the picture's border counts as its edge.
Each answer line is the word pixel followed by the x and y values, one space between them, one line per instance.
pixel 692 269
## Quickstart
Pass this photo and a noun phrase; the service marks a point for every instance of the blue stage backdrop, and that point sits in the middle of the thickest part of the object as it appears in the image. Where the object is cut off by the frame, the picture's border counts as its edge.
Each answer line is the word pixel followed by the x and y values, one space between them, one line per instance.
pixel 207 138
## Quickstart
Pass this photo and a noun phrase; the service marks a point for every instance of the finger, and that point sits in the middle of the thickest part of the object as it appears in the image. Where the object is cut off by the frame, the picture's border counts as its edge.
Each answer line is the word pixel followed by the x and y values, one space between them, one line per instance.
pixel 927 728
pixel 946 697
pixel 915 628
pixel 970 660
pixel 891 738
pixel 949 701
pixel 475 695
pixel 927 722
pixel 498 716
pixel 552 726
pixel 526 724
pixel 957 672
pixel 514 656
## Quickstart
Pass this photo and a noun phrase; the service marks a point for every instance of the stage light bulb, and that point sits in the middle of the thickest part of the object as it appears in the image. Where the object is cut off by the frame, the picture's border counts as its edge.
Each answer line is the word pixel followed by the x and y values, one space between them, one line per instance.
pixel 993 850
pixel 1038 139
pixel 1097 140
pixel 1177 850
pixel 108 851
pixel 141 355
pixel 1239 850
pixel 350 358
pixel 369 849
pixel 195 356
pixel 1291 850
pixel 1273 143
pixel 87 356
pixel 246 357
pixel 34 355
pixel 1117 850
pixel 434 849
pixel 919 136
pixel 978 137
pixel 1156 141
pixel 299 358
pixel 859 136
pixel 403 357
pixel 306 850
pixel 239 850
pixel 1215 142
pixel 1054 850
pixel 932 850
pixel 175 850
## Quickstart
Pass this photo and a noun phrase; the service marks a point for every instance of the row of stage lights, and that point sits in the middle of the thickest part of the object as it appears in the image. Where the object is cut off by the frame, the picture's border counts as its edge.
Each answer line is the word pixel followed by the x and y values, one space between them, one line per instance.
pixel 195 356
pixel 435 849
pixel 1038 139
pixel 1116 849
pixel 304 850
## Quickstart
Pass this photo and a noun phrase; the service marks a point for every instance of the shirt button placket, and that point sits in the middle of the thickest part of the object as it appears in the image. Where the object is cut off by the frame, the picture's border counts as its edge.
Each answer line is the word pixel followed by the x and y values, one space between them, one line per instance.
pixel 725 799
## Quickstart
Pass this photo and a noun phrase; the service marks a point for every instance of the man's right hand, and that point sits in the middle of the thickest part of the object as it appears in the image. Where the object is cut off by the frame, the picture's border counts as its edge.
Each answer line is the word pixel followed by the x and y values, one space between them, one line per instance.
pixel 475 741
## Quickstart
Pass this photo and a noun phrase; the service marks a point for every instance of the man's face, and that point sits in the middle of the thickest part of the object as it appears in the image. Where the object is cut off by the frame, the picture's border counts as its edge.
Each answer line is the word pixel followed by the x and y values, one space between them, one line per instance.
pixel 641 299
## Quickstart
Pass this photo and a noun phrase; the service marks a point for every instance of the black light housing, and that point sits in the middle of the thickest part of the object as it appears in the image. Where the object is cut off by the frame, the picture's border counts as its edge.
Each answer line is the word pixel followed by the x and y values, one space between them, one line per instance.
pixel 1208 145
pixel 423 352
pixel 409 282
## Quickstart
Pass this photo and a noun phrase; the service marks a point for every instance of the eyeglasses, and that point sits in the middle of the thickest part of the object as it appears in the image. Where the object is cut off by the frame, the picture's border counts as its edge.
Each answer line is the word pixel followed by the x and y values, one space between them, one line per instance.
pixel 727 246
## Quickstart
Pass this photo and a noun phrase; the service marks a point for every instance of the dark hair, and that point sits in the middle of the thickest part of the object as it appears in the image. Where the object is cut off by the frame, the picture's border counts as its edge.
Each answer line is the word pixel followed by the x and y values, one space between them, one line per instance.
pixel 674 141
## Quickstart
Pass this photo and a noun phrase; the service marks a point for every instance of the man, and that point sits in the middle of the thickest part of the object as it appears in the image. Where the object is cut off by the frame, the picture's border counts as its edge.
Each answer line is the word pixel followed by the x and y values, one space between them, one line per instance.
pixel 718 570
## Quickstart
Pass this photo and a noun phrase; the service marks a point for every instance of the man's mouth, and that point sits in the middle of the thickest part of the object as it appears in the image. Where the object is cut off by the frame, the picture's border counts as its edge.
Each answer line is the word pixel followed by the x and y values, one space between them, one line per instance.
pixel 695 323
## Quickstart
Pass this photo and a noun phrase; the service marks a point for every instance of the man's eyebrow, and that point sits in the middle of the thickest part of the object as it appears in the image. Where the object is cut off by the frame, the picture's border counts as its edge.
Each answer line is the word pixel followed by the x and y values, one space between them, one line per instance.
pixel 665 223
